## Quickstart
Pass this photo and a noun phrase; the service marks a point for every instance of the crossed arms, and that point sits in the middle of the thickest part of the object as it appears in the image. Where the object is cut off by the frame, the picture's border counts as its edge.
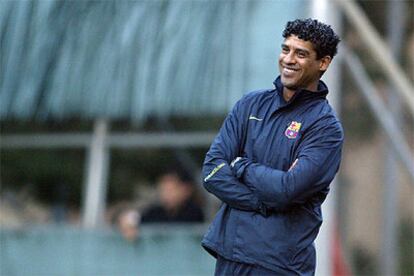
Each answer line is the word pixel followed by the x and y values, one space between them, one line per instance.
pixel 250 186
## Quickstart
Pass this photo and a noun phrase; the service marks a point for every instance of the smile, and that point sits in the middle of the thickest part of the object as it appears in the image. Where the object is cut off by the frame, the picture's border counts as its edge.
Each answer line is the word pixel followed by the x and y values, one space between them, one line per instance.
pixel 289 70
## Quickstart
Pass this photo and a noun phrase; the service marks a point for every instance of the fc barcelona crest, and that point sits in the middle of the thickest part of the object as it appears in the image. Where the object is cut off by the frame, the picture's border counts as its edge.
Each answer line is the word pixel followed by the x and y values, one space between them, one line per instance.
pixel 293 130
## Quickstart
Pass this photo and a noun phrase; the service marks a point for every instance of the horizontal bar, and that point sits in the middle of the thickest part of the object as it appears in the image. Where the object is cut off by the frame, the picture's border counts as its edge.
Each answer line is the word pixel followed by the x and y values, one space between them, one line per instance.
pixel 115 140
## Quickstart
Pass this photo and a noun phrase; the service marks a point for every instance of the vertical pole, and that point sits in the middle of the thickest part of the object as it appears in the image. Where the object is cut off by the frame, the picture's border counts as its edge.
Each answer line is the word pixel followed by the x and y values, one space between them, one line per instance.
pixel 326 12
pixel 389 252
pixel 96 176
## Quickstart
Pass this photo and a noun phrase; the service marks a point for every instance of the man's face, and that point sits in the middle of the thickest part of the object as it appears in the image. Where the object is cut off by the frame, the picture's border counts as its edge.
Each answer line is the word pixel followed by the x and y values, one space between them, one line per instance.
pixel 172 191
pixel 299 66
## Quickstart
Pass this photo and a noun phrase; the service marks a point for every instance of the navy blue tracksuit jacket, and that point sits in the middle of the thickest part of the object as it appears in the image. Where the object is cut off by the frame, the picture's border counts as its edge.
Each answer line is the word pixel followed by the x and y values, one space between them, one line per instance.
pixel 271 210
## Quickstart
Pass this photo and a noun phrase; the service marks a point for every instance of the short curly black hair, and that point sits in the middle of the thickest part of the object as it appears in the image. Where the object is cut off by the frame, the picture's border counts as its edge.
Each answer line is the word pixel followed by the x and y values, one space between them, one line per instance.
pixel 321 35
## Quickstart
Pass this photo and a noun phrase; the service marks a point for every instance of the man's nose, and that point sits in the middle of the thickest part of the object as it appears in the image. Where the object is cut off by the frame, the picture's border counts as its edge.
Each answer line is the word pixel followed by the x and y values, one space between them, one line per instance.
pixel 289 58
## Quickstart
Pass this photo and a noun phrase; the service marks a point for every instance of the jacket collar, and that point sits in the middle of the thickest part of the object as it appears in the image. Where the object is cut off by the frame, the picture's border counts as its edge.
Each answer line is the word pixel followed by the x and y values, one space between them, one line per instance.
pixel 301 95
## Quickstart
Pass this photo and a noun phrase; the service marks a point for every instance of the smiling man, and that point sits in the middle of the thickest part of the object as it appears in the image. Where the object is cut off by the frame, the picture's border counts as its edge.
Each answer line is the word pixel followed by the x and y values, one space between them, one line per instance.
pixel 272 162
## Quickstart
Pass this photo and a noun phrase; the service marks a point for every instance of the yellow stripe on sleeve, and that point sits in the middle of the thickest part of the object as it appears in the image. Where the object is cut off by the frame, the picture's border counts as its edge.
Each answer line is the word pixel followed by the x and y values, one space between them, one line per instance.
pixel 213 172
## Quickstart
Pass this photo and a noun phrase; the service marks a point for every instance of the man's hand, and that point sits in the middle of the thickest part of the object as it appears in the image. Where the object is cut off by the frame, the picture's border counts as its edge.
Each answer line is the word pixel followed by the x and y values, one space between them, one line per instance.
pixel 235 160
pixel 239 165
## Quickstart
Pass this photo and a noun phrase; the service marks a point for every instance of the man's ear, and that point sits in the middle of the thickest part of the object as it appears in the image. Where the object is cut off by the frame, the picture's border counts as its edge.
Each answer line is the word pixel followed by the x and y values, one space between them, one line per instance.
pixel 324 64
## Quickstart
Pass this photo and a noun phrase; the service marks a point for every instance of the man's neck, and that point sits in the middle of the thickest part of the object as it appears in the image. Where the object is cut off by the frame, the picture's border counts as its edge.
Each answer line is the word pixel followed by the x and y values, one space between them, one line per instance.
pixel 288 93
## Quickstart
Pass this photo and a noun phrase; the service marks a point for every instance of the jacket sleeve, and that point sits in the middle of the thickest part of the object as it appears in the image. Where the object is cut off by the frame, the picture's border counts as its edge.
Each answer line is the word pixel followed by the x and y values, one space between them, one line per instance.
pixel 219 178
pixel 318 160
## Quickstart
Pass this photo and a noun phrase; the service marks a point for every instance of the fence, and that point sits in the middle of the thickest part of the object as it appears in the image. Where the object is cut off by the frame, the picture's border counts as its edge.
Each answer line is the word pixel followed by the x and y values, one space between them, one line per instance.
pixel 62 250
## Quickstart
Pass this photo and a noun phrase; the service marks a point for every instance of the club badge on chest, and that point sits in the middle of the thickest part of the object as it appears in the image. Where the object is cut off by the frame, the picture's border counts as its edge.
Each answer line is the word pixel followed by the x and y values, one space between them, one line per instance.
pixel 293 130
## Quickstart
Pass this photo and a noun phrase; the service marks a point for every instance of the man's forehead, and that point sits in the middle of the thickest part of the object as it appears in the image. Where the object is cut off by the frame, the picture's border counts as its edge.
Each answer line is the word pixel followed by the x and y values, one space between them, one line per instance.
pixel 295 42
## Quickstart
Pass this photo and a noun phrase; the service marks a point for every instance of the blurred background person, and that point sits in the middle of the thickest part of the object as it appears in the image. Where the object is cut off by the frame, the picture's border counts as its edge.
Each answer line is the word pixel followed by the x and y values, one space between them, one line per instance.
pixel 177 200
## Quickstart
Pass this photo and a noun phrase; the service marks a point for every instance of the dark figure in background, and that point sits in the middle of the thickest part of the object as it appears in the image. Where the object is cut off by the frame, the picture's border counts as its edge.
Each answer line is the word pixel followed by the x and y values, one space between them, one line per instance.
pixel 272 162
pixel 177 202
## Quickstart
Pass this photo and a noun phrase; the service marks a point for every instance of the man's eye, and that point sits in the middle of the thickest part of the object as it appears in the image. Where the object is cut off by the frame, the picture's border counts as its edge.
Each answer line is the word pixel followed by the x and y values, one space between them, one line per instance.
pixel 285 50
pixel 301 55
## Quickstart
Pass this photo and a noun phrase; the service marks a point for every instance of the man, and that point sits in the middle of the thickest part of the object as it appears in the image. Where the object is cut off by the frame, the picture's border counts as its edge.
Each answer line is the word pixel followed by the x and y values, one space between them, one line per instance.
pixel 177 202
pixel 272 162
